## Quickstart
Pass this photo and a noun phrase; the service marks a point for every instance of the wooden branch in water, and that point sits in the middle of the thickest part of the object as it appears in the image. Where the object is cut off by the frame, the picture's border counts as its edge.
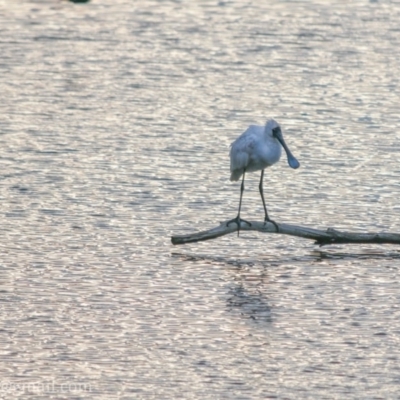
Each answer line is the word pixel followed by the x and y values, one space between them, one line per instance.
pixel 330 236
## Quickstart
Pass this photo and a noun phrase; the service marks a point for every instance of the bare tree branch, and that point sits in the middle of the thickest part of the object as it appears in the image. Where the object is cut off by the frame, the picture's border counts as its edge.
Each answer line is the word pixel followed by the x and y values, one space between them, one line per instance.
pixel 330 236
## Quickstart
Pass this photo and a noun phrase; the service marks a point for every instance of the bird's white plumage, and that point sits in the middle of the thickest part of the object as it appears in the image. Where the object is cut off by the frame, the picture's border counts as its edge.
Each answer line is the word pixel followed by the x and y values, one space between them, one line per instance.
pixel 254 150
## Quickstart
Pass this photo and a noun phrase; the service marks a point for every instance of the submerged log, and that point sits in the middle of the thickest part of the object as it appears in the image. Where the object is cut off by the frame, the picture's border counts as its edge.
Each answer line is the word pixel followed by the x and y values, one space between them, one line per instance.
pixel 322 238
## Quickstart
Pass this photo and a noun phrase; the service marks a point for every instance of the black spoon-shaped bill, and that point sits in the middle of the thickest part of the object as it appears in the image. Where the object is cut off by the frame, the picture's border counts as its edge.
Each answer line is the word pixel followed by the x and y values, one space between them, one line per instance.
pixel 292 160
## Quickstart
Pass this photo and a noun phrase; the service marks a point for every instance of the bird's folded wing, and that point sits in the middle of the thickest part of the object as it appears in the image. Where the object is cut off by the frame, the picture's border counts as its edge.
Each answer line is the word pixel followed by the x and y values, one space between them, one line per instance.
pixel 240 152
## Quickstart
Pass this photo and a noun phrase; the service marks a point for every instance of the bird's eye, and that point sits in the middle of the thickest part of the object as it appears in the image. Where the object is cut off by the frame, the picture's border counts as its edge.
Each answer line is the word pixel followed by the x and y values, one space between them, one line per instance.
pixel 276 130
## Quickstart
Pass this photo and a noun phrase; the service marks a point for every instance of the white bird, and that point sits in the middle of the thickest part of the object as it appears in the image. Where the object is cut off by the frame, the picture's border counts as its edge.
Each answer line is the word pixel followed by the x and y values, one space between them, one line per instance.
pixel 255 149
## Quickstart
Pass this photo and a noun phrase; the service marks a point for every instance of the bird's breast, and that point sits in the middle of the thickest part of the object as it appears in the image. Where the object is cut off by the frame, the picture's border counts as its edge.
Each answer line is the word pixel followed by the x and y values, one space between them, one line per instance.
pixel 265 156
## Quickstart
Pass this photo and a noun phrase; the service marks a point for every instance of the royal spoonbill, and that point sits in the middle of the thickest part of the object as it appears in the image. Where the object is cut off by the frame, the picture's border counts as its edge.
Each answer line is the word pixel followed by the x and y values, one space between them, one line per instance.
pixel 255 149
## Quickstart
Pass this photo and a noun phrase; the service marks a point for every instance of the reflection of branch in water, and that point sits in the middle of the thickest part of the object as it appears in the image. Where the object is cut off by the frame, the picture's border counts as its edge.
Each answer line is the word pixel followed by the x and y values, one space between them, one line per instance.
pixel 215 259
pixel 323 255
pixel 316 255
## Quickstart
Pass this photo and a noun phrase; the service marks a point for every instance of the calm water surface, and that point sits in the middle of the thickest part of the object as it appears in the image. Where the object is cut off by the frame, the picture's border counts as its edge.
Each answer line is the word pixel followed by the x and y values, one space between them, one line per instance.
pixel 115 124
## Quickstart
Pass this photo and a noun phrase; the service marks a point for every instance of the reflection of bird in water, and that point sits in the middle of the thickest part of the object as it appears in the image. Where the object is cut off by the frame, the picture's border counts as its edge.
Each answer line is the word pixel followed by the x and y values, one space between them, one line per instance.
pixel 79 1
pixel 255 149
pixel 246 296
pixel 253 306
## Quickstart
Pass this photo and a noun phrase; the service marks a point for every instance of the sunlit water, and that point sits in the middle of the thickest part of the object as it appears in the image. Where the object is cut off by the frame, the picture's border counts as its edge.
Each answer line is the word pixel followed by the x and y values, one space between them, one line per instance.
pixel 116 119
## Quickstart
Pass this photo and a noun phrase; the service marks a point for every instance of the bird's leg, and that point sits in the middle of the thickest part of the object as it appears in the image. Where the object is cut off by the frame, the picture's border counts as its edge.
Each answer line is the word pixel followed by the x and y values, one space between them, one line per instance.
pixel 237 220
pixel 265 207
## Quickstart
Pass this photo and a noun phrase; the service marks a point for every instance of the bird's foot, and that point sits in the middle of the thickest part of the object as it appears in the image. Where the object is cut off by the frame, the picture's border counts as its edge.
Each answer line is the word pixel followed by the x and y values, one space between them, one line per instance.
pixel 238 221
pixel 272 222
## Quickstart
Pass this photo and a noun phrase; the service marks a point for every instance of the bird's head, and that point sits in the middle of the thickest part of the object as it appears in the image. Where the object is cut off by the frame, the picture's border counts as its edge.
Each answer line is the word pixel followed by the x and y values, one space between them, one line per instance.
pixel 273 129
pixel 271 126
